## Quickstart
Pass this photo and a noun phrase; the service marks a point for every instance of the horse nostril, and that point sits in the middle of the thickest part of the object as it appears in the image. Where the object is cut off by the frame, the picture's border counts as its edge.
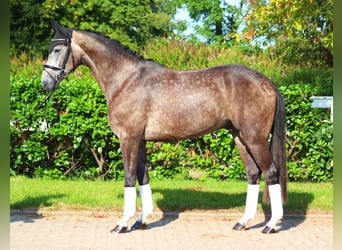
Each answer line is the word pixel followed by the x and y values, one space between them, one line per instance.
pixel 45 85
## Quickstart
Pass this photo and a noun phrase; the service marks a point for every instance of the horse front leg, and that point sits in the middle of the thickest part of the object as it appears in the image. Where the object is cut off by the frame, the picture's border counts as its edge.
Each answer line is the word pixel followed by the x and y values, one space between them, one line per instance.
pixel 130 151
pixel 144 188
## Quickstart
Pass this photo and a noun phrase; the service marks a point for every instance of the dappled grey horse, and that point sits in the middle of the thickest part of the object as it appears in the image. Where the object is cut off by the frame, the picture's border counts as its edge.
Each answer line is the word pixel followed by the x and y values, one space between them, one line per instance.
pixel 150 102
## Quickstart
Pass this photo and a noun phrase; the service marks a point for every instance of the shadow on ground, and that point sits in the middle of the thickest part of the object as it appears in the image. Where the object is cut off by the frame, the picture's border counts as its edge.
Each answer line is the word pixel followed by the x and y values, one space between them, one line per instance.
pixel 297 206
pixel 26 210
pixel 187 199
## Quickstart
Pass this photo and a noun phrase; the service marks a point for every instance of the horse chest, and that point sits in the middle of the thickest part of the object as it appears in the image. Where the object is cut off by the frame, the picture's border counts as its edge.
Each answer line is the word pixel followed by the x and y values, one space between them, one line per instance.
pixel 126 120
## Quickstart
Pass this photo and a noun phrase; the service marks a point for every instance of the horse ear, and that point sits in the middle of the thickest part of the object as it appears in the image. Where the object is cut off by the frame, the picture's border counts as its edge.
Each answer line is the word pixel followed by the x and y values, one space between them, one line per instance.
pixel 55 25
pixel 59 29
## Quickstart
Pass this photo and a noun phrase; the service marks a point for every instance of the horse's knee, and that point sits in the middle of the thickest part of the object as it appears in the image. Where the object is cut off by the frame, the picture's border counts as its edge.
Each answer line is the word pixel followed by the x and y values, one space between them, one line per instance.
pixel 253 175
pixel 272 175
pixel 130 180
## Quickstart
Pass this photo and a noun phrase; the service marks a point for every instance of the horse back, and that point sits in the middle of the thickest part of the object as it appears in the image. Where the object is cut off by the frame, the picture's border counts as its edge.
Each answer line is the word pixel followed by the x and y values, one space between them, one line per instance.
pixel 171 105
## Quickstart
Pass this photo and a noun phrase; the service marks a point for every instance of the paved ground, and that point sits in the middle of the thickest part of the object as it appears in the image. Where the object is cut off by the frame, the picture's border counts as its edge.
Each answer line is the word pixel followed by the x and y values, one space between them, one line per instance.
pixel 189 230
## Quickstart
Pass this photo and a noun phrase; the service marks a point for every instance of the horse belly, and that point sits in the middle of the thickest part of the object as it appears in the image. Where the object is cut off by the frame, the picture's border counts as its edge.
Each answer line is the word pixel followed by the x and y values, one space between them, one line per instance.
pixel 176 122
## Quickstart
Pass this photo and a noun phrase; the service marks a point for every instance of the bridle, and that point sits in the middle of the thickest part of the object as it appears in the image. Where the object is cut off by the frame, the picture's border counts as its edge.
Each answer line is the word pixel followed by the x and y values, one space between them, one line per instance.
pixel 62 74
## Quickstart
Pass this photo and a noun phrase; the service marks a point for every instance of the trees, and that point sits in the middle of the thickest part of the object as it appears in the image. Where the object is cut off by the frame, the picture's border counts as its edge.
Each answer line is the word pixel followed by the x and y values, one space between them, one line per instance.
pixel 131 22
pixel 217 19
pixel 301 30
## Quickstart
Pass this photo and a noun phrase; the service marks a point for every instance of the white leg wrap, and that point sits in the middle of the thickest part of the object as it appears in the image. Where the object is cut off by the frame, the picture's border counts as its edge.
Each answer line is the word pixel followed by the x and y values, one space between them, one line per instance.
pixel 251 204
pixel 147 202
pixel 130 195
pixel 276 205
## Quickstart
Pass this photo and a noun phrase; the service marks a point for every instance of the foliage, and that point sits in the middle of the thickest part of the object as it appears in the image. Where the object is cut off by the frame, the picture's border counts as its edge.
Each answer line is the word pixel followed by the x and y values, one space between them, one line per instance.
pixel 216 20
pixel 131 22
pixel 309 136
pixel 79 142
pixel 301 30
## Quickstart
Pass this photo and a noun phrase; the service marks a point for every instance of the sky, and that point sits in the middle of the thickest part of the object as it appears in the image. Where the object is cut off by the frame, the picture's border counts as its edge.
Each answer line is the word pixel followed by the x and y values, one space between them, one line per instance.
pixel 183 15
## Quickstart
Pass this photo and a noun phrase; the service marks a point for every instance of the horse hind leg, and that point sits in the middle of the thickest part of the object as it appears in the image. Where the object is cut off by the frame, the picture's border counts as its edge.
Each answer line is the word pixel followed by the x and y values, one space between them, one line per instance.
pixel 276 208
pixel 253 176
pixel 263 158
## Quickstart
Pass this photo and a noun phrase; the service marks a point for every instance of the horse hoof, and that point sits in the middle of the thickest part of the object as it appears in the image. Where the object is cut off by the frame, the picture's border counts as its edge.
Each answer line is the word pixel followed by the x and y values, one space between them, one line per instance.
pixel 139 225
pixel 268 230
pixel 119 230
pixel 239 227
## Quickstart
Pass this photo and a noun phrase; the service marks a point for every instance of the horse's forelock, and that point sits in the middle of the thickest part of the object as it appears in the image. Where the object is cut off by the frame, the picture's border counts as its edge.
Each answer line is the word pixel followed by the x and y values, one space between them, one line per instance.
pixel 61 33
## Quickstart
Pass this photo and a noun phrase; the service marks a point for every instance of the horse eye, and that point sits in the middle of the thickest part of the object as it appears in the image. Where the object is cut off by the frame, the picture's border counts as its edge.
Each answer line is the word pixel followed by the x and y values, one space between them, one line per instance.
pixel 56 50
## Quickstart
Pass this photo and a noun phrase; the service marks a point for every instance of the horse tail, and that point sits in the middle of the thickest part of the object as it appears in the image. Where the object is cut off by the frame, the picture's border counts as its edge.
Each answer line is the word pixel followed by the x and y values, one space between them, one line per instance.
pixel 277 147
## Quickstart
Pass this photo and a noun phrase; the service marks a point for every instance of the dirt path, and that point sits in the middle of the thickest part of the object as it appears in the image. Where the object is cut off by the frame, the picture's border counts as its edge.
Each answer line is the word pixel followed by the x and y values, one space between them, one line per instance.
pixel 188 230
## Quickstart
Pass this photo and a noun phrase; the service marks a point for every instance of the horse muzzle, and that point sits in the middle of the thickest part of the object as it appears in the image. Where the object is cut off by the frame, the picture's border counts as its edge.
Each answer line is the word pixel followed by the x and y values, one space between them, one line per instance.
pixel 50 81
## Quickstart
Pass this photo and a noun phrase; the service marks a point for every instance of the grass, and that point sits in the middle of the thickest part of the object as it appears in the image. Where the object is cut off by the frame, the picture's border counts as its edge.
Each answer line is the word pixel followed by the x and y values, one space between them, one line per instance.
pixel 168 195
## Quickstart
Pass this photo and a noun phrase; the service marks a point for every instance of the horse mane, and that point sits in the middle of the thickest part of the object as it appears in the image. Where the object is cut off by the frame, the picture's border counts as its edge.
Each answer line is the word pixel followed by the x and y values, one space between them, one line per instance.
pixel 115 44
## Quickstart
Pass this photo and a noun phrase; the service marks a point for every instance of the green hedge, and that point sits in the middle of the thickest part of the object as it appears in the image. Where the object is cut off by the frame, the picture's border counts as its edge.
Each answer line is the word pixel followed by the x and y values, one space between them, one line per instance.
pixel 309 136
pixel 79 142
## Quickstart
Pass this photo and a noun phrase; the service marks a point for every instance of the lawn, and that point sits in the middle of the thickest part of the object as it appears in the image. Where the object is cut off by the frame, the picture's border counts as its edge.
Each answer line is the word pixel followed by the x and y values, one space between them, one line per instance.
pixel 168 195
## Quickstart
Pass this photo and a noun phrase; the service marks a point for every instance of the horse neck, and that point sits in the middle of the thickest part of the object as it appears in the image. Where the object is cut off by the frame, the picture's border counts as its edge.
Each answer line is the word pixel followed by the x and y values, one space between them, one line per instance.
pixel 109 67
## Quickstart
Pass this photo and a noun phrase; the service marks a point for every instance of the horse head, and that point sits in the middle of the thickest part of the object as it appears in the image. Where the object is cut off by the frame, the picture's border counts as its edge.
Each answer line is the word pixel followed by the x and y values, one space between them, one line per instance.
pixel 60 61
